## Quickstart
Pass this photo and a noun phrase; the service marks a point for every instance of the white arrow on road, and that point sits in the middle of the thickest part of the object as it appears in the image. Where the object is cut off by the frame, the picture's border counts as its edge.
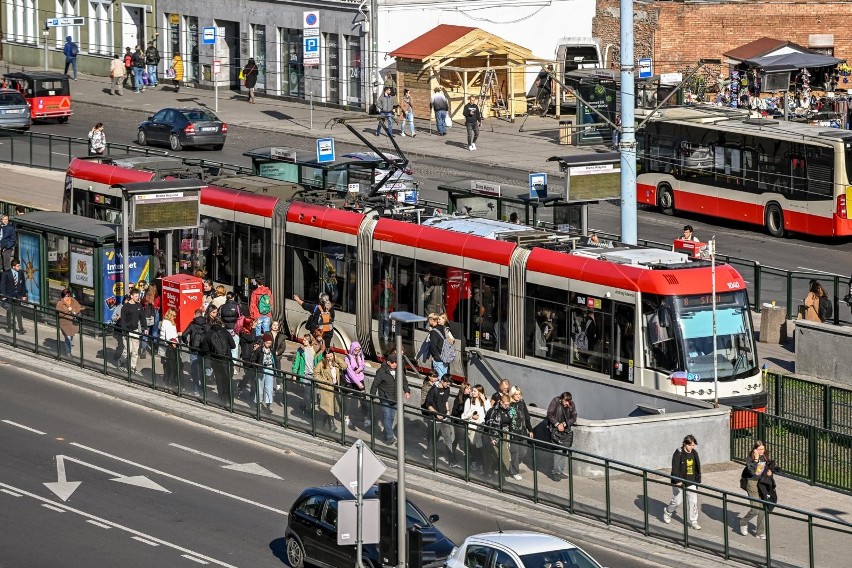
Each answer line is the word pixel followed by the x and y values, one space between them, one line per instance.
pixel 64 488
pixel 252 467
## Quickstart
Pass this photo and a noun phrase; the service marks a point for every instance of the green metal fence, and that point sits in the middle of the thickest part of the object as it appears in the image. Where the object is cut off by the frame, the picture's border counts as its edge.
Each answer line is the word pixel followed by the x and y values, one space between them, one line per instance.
pixel 818 404
pixel 596 487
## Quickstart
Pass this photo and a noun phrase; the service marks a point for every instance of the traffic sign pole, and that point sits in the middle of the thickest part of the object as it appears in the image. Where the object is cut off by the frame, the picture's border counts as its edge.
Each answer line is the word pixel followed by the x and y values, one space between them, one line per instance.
pixel 359 508
pixel 215 80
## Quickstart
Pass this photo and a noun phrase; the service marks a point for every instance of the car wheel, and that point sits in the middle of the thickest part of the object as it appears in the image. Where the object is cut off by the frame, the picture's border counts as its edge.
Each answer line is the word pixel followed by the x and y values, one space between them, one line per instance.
pixel 174 143
pixel 63 119
pixel 218 147
pixel 295 553
pixel 773 218
pixel 666 200
pixel 141 138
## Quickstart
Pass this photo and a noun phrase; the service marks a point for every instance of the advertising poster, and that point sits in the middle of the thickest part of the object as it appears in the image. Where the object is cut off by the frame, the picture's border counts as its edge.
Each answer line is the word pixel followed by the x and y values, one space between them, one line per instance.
pixel 28 248
pixel 82 266
pixel 601 96
pixel 113 267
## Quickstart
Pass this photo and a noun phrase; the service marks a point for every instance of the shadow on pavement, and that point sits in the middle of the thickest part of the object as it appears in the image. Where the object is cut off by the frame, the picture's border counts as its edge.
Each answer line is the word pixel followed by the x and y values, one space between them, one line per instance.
pixel 279 549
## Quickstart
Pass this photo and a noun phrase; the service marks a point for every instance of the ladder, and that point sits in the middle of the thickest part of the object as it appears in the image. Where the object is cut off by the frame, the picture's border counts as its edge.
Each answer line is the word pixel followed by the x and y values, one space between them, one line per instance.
pixel 491 92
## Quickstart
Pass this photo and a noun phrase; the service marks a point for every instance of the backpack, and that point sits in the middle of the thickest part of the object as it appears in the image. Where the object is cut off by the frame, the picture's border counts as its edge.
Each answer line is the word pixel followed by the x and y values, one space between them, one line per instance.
pixel 128 60
pixel 313 320
pixel 74 50
pixel 149 315
pixel 238 327
pixel 230 311
pixel 448 352
pixel 218 342
pixel 826 309
pixel 264 304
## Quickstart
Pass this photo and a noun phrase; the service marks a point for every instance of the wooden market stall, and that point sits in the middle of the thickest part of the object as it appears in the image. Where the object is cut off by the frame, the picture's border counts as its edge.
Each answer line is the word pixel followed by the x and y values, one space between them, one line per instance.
pixel 464 61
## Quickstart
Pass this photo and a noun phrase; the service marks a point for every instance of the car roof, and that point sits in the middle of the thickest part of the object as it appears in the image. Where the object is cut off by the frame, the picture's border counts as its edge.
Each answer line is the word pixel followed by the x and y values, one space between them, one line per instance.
pixel 335 490
pixel 7 91
pixel 522 542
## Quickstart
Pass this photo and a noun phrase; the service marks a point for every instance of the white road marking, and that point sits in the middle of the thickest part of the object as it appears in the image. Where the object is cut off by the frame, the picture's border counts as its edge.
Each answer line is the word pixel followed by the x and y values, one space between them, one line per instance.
pixel 52 508
pixel 194 559
pixel 97 524
pixel 12 493
pixel 182 480
pixel 64 508
pixel 145 541
pixel 814 270
pixel 64 488
pixel 15 424
pixel 253 468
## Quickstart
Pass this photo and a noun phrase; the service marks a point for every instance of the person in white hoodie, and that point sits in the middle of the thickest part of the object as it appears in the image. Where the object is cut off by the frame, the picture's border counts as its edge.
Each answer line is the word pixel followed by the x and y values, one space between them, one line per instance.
pixel 474 412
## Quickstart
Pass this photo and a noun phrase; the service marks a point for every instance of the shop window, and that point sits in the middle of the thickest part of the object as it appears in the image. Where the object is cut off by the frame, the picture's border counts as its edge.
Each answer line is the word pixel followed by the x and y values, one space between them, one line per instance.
pixel 191 64
pixel 291 56
pixel 172 46
pixel 332 67
pixel 259 53
pixel 353 70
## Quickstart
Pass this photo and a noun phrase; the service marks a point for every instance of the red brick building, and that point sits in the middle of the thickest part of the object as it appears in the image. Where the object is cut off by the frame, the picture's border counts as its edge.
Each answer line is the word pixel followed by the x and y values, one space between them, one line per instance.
pixel 677 33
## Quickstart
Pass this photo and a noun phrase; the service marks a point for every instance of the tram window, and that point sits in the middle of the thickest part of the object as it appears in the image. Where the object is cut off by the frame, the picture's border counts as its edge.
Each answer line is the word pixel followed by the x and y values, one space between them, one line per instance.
pixel 302 273
pixel 384 292
pixel 218 250
pixel 336 263
pixel 546 328
pixel 591 332
pixel 658 319
pixel 252 253
pixel 430 291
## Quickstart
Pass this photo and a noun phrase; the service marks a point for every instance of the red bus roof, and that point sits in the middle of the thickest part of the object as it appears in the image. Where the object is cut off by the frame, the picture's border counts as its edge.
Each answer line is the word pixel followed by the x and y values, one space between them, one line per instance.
pixel 680 281
pixel 327 218
pixel 444 241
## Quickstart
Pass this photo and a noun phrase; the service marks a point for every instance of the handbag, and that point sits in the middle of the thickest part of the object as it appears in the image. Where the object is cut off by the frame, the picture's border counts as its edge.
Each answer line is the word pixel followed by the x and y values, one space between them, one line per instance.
pixel 170 73
pixel 448 122
pixel 242 75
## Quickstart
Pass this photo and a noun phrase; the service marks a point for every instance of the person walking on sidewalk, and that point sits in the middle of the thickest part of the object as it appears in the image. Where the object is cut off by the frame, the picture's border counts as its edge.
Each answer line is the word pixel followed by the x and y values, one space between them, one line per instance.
pixel 177 69
pixel 758 470
pixel 385 106
pixel 686 471
pixel 250 74
pixel 71 50
pixel 408 113
pixel 116 75
pixel 97 140
pixel 441 106
pixel 139 70
pixel 472 120
pixel 152 61
pixel 129 78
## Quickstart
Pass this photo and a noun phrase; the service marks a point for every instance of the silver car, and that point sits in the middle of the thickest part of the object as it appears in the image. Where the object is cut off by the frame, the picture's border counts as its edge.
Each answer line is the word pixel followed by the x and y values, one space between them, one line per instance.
pixel 14 110
pixel 519 549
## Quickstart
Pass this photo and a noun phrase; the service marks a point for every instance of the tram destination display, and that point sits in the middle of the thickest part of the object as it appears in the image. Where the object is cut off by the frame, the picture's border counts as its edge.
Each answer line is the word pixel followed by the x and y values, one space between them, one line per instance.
pixel 164 211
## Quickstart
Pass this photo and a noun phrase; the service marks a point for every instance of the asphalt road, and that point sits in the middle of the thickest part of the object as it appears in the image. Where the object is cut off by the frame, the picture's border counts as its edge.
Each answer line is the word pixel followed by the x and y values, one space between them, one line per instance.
pixel 155 490
pixel 811 257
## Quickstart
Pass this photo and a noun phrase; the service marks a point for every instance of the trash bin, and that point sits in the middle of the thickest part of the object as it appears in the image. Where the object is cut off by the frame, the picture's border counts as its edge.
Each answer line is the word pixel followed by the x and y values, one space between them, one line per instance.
pixel 565 130
pixel 773 324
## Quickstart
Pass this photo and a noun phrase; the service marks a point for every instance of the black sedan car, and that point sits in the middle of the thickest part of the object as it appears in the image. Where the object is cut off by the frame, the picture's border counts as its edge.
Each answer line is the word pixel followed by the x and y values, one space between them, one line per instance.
pixel 312 530
pixel 180 127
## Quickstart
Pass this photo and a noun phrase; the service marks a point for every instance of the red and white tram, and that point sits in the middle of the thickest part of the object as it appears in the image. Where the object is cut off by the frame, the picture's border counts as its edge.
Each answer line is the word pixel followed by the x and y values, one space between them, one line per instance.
pixel 626 313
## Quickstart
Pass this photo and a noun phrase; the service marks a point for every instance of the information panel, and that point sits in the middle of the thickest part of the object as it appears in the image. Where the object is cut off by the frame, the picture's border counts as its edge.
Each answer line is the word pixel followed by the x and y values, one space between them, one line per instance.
pixel 598 181
pixel 164 211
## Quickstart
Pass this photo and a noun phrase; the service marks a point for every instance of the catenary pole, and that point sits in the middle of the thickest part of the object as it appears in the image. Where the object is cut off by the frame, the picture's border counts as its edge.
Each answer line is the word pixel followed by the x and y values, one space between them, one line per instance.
pixel 627 142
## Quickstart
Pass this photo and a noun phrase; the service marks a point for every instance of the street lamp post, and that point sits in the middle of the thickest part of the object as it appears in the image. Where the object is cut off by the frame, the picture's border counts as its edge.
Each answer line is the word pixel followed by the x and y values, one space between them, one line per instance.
pixel 400 318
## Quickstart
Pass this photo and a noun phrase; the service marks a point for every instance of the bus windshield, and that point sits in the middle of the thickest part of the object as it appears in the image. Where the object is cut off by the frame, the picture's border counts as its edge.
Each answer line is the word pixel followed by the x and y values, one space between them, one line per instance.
pixel 734 350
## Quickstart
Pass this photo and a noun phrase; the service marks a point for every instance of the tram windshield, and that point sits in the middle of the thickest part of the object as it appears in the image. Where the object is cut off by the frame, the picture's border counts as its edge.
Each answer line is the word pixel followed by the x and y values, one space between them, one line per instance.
pixel 680 333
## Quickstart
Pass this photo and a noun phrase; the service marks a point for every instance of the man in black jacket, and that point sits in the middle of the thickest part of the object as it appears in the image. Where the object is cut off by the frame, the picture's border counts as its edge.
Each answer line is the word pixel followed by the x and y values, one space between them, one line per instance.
pixel 686 471
pixel 438 405
pixel 472 120
pixel 193 336
pixel 152 60
pixel 437 336
pixel 8 241
pixel 217 343
pixel 498 421
pixel 561 417
pixel 130 325
pixel 13 287
pixel 384 387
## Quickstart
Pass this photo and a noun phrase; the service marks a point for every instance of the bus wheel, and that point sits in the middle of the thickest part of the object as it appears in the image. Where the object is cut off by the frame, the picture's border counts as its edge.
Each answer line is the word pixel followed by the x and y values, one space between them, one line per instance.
pixel 666 199
pixel 774 220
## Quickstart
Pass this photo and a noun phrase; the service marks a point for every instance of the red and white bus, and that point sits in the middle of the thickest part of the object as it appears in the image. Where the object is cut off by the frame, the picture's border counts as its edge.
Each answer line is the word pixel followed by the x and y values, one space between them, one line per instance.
pixel 624 313
pixel 788 177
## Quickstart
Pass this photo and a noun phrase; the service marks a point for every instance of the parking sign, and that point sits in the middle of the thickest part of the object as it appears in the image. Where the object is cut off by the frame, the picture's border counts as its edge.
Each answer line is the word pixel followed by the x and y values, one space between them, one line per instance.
pixel 311 48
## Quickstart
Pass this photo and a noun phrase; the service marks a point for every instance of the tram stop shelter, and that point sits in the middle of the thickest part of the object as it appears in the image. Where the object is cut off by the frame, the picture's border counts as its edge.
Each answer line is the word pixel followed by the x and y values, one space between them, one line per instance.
pixel 463 61
pixel 61 250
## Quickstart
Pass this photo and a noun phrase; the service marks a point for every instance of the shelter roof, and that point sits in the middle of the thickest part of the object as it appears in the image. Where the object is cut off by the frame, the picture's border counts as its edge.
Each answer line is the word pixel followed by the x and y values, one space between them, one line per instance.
pixel 761 47
pixel 448 41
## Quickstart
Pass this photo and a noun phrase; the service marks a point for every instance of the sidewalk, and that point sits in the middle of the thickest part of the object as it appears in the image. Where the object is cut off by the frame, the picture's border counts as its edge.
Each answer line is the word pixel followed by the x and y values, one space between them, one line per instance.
pixel 529 149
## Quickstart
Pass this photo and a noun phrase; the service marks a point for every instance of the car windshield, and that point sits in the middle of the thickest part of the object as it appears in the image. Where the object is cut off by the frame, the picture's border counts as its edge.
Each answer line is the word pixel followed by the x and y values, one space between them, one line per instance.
pixel 8 99
pixel 565 558
pixel 199 116
pixel 414 517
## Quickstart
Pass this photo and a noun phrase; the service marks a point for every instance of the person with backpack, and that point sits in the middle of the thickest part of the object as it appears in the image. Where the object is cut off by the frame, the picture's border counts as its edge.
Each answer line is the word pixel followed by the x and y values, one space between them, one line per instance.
pixel 152 61
pixel 260 306
pixel 321 318
pixel 440 348
pixel 230 313
pixel 130 324
pixel 71 50
pixel 150 321
pixel 193 337
pixel 138 62
pixel 217 344
pixel 129 78
pixel 816 306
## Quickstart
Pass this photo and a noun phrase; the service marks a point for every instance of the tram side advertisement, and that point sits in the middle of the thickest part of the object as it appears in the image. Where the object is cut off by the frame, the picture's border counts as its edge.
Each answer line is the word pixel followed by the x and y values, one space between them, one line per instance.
pixel 113 266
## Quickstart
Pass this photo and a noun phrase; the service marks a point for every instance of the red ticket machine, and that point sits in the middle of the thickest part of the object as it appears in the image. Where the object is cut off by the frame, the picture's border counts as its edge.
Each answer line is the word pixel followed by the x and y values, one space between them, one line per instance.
pixel 694 249
pixel 183 293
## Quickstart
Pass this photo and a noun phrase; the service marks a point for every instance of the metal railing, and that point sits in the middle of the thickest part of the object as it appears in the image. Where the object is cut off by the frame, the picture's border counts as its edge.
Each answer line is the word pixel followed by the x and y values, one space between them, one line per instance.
pixel 819 404
pixel 596 487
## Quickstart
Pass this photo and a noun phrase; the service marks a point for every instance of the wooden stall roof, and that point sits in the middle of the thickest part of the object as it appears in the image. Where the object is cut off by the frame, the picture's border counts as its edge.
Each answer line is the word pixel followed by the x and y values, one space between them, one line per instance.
pixel 760 47
pixel 447 42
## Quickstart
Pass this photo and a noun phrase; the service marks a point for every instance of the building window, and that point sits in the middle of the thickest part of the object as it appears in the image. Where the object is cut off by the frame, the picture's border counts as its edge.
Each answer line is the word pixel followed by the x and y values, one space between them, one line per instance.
pixel 191 34
pixel 259 53
pixel 22 21
pixel 66 9
pixel 353 69
pixel 100 27
pixel 332 68
pixel 172 45
pixel 291 55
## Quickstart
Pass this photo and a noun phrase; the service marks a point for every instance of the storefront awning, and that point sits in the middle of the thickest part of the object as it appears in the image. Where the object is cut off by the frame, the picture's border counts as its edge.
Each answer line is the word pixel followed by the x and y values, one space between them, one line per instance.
pixel 792 62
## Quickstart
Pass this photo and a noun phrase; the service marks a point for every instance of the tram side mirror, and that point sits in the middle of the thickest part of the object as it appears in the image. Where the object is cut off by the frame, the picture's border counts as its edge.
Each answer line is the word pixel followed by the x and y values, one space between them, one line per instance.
pixel 663 317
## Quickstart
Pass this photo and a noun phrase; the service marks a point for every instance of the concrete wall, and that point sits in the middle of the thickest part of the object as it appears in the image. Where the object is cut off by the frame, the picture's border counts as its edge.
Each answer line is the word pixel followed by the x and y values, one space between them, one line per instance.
pixel 822 350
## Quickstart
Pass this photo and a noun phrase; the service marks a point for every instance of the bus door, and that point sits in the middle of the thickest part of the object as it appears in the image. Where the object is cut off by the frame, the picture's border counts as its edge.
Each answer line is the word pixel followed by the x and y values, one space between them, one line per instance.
pixel 796 214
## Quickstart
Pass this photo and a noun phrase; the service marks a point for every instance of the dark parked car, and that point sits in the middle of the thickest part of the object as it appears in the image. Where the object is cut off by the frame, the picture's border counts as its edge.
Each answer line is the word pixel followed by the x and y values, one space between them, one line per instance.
pixel 14 110
pixel 179 127
pixel 312 530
